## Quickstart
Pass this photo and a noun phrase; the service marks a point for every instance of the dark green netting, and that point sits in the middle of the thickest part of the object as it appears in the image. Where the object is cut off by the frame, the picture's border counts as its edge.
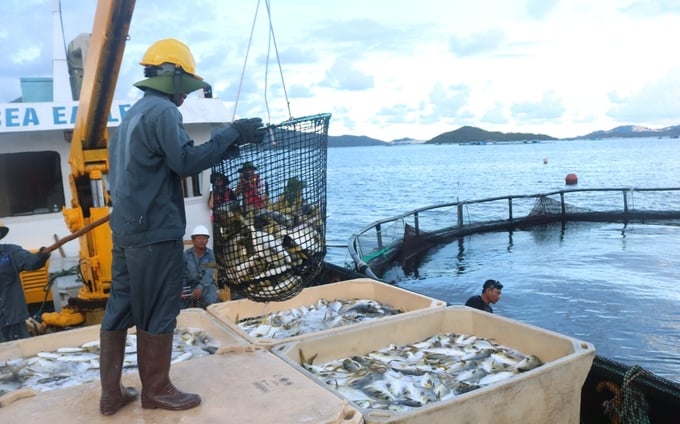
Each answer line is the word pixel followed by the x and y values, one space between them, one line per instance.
pixel 269 242
pixel 632 395
pixel 546 206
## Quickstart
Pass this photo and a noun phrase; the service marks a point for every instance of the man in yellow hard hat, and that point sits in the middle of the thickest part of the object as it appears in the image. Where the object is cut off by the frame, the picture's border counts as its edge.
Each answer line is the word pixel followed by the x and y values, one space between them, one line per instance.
pixel 149 154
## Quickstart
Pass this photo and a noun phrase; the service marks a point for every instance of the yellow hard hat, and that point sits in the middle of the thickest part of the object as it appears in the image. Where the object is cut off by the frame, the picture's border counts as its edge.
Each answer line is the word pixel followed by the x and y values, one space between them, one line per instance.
pixel 170 50
pixel 174 52
pixel 3 230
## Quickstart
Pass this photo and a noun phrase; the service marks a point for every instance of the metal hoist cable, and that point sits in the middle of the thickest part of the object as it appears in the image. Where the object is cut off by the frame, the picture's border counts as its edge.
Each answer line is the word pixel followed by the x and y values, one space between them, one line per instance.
pixel 269 242
pixel 272 42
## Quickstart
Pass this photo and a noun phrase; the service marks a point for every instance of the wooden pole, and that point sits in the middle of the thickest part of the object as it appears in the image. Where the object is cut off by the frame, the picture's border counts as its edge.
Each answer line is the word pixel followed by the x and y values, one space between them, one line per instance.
pixel 77 234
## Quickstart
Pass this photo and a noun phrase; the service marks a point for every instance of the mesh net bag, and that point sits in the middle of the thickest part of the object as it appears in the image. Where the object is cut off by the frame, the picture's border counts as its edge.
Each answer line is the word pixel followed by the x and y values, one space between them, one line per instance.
pixel 269 220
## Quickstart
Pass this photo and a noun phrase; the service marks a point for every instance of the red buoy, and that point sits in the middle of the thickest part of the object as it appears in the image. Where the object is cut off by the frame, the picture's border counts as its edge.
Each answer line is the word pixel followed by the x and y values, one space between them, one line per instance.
pixel 571 179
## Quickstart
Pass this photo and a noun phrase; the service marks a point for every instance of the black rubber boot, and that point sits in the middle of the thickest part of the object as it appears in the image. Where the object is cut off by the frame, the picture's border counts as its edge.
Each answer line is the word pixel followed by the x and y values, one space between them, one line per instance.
pixel 111 354
pixel 154 352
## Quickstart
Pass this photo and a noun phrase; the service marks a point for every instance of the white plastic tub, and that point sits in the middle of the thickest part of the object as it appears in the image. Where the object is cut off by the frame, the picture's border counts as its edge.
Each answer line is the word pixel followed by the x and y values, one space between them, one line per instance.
pixel 229 313
pixel 550 393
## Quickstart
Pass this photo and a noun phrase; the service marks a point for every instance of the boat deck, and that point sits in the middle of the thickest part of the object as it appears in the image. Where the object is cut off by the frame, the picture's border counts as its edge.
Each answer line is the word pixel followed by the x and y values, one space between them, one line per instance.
pixel 244 385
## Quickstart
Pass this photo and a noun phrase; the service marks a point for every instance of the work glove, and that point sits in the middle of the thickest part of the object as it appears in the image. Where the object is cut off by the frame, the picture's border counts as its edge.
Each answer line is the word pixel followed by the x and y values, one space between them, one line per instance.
pixel 250 130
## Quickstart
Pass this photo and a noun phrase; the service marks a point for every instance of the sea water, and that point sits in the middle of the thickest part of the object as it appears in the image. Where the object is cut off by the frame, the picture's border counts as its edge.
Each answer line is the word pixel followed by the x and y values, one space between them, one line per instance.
pixel 613 285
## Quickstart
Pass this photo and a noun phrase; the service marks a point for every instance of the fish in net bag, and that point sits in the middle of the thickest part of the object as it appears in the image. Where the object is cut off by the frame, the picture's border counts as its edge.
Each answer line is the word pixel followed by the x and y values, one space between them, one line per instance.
pixel 270 229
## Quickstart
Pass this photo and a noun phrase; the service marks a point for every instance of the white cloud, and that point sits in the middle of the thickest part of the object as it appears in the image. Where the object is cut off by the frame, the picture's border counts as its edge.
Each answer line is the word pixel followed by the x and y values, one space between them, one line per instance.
pixel 659 102
pixel 345 75
pixel 391 69
pixel 539 9
pixel 549 107
pixel 479 43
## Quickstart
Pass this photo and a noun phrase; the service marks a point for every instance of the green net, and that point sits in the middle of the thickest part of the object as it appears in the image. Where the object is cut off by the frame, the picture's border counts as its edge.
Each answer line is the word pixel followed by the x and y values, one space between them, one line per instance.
pixel 545 206
pixel 269 220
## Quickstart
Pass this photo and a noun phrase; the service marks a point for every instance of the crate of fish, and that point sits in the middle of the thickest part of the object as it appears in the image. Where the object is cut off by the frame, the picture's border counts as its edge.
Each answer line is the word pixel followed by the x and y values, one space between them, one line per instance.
pixel 70 358
pixel 319 309
pixel 238 384
pixel 455 364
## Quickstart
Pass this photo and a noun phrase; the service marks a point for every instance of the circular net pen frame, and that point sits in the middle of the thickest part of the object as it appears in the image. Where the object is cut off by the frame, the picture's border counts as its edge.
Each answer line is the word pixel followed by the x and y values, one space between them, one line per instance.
pixel 270 230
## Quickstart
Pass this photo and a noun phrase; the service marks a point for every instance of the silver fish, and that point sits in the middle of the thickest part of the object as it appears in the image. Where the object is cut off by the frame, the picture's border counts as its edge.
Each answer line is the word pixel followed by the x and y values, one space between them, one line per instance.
pixel 495 378
pixel 379 390
pixel 69 366
pixel 529 363
pixel 402 377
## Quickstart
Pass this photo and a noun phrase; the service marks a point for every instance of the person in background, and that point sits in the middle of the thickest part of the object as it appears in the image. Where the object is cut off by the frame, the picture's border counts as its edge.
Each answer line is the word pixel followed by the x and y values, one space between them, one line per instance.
pixel 13 308
pixel 149 155
pixel 491 293
pixel 220 194
pixel 251 187
pixel 200 288
pixel 291 201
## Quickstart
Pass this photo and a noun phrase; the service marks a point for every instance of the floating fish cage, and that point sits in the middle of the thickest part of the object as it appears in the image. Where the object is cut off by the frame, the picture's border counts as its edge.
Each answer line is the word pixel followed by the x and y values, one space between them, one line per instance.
pixel 384 301
pixel 269 211
pixel 549 393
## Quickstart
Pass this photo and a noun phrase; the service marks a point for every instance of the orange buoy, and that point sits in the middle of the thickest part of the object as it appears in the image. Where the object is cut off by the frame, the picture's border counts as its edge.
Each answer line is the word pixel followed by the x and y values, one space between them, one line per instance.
pixel 571 179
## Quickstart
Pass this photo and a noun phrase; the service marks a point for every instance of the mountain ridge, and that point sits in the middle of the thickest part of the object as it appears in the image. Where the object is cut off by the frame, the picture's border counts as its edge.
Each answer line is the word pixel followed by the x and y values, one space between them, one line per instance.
pixel 468 134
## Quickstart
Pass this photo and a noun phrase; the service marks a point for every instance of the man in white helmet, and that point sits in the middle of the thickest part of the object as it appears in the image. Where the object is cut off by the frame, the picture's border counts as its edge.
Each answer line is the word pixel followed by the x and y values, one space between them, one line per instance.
pixel 149 154
pixel 200 288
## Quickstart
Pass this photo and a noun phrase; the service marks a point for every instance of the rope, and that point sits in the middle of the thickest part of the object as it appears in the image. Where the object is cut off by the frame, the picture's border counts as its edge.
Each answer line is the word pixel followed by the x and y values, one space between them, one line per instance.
pixel 245 62
pixel 272 41
pixel 48 287
pixel 278 61
pixel 63 37
pixel 628 406
pixel 634 408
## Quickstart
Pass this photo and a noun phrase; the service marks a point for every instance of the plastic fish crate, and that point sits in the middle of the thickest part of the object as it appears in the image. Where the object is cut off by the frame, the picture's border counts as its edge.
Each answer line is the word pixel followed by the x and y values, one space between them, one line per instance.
pixel 188 318
pixel 409 302
pixel 240 384
pixel 550 393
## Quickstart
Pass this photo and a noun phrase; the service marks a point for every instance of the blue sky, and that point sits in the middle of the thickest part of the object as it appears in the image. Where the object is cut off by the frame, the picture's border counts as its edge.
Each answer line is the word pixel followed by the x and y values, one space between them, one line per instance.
pixel 394 69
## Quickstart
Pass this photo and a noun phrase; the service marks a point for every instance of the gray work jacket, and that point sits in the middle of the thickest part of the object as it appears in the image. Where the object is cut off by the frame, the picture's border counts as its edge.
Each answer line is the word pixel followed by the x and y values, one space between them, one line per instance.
pixel 149 155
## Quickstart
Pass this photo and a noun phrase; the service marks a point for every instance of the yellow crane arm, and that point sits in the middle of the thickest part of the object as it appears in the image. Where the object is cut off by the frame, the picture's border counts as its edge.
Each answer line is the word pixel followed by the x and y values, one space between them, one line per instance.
pixel 89 162
pixel 107 44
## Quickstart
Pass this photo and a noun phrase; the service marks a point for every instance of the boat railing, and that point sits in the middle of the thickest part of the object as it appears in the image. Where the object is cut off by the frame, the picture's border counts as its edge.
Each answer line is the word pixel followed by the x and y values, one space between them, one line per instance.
pixel 381 241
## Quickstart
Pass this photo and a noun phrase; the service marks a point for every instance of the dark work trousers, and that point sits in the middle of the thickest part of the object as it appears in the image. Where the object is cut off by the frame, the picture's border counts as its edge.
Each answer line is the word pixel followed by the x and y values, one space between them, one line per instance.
pixel 145 288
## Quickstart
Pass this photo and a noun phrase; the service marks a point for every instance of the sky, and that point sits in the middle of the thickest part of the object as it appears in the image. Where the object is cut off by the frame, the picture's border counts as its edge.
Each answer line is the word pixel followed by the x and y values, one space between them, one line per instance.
pixel 392 69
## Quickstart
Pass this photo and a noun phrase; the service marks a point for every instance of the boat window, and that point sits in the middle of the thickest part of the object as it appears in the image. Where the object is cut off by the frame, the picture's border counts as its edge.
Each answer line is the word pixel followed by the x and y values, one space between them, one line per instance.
pixel 31 183
pixel 192 185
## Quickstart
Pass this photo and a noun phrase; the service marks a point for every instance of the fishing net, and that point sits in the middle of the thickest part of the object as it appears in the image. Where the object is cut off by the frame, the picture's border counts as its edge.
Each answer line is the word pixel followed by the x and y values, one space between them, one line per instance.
pixel 269 219
pixel 546 206
pixel 630 394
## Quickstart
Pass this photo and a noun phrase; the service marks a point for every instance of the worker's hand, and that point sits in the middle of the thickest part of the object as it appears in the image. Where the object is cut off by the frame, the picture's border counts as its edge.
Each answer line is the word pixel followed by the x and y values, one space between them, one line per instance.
pixel 197 294
pixel 250 130
pixel 44 254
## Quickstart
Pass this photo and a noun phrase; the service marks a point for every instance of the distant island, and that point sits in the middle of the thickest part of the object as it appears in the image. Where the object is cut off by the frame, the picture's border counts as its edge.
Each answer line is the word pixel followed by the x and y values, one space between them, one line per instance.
pixel 634 131
pixel 468 134
pixel 473 134
pixel 353 141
